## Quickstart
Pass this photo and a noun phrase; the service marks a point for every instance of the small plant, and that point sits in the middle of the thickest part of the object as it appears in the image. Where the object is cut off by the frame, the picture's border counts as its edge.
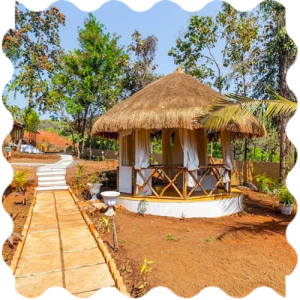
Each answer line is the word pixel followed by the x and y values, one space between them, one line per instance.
pixel 103 177
pixel 21 180
pixel 105 225
pixel 265 184
pixel 142 207
pixel 144 271
pixel 208 240
pixel 98 158
pixel 93 178
pixel 286 198
pixel 170 237
pixel 78 176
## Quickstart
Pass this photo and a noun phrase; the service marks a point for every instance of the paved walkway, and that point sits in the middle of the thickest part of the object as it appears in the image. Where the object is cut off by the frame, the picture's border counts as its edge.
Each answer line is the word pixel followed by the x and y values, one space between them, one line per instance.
pixel 60 250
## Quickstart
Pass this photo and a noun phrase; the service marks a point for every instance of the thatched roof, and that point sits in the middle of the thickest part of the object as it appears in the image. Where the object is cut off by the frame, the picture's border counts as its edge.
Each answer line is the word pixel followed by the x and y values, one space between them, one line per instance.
pixel 173 101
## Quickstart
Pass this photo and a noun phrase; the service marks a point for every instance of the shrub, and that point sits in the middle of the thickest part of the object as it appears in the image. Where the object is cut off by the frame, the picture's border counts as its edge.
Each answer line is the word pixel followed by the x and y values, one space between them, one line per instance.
pixel 265 184
pixel 20 180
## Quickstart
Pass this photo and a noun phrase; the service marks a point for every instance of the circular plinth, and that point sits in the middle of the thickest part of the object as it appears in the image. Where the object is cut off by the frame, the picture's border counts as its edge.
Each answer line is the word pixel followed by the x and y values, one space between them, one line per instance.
pixel 199 208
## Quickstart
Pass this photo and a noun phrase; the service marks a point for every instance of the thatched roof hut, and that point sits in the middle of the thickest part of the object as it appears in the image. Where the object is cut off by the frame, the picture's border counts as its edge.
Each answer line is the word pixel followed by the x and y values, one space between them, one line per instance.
pixel 171 106
pixel 173 101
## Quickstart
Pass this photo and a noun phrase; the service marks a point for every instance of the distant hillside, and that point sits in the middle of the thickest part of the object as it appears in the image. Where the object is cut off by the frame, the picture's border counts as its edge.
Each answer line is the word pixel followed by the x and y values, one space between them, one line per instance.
pixel 49 125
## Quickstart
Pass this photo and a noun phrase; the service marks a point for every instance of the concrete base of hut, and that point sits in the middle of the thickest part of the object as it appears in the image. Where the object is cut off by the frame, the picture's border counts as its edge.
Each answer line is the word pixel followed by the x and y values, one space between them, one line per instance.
pixel 215 207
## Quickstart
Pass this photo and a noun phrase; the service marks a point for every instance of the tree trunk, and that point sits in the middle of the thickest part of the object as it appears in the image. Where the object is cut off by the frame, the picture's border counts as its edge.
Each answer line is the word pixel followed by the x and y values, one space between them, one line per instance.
pixel 284 92
pixel 20 139
pixel 282 146
pixel 245 160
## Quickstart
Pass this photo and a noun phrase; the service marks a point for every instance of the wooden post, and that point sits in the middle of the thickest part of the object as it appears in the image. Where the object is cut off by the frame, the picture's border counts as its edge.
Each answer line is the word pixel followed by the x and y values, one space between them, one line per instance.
pixel 229 186
pixel 184 183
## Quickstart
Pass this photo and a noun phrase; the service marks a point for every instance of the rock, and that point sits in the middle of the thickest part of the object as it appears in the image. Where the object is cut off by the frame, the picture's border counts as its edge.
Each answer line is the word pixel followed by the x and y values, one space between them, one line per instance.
pixel 251 186
pixel 99 205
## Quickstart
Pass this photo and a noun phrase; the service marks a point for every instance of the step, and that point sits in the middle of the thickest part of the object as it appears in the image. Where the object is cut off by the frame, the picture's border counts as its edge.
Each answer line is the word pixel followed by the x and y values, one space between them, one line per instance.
pixel 51 170
pixel 52 183
pixel 48 188
pixel 51 178
pixel 41 174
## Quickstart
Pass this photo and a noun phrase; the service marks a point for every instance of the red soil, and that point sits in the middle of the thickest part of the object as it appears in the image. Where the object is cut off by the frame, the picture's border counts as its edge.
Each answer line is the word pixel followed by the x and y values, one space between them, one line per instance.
pixel 50 137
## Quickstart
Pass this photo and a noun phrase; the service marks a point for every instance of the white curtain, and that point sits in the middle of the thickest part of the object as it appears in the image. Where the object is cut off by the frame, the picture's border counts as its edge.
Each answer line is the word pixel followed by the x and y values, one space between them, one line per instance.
pixel 141 153
pixel 227 154
pixel 177 153
pixel 166 150
pixel 201 138
pixel 191 160
pixel 125 148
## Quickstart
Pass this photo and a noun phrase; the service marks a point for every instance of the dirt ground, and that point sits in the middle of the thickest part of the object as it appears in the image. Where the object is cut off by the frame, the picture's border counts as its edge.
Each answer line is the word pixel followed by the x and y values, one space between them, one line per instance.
pixel 34 158
pixel 14 204
pixel 236 253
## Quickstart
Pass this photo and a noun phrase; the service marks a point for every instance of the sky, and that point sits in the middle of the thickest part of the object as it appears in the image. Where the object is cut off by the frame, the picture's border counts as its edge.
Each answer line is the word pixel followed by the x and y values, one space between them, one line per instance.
pixel 165 20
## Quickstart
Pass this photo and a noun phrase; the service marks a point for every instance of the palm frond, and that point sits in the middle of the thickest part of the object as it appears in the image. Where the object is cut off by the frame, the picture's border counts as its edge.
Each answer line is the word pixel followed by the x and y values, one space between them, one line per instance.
pixel 226 111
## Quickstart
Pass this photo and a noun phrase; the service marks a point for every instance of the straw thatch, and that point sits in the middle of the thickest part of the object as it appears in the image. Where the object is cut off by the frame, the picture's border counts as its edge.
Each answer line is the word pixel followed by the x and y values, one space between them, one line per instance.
pixel 173 101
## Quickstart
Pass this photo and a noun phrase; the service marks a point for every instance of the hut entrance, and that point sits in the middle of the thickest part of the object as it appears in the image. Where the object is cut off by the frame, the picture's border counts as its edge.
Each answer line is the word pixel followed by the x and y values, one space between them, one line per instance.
pixel 125 161
pixel 185 171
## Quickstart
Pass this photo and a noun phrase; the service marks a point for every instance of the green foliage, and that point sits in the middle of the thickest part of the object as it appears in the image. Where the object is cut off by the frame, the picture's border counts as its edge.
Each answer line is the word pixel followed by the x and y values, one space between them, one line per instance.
pixel 208 240
pixel 140 70
pixel 278 49
pixel 145 269
pixel 170 237
pixel 20 180
pixel 194 51
pixel 97 178
pixel 105 225
pixel 90 80
pixel 265 184
pixel 157 145
pixel 78 177
pixel 34 48
pixel 286 198
pixel 242 36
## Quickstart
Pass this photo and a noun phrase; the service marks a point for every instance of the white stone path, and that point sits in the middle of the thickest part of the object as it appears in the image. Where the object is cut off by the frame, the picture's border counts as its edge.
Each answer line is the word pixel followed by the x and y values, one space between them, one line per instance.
pixel 60 250
pixel 53 176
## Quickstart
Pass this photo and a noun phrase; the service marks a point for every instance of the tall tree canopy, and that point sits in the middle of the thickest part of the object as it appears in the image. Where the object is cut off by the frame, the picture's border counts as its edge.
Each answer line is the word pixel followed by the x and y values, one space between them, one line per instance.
pixel 278 54
pixel 90 79
pixel 34 48
pixel 140 69
pixel 195 51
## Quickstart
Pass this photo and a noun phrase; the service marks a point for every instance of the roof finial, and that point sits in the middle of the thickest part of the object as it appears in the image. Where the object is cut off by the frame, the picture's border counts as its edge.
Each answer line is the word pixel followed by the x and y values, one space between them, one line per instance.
pixel 179 70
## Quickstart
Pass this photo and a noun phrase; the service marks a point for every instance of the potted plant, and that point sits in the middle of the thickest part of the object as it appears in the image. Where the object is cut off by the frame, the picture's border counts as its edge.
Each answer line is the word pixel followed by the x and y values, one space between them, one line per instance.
pixel 95 183
pixel 286 201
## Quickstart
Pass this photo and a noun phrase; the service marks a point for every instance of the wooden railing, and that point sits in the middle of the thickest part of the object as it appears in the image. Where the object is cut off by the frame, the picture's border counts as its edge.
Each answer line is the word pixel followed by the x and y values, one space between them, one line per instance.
pixel 160 176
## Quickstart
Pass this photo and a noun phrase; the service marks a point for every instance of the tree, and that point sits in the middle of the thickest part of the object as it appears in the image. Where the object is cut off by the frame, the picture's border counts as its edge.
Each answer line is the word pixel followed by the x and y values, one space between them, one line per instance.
pixel 90 79
pixel 241 31
pixel 279 53
pixel 33 46
pixel 194 51
pixel 140 70
pixel 27 116
pixel 234 108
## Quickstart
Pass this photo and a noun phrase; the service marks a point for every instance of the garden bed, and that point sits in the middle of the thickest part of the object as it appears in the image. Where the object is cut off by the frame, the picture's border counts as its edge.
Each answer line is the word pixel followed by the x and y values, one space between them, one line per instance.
pixel 14 205
pixel 237 253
